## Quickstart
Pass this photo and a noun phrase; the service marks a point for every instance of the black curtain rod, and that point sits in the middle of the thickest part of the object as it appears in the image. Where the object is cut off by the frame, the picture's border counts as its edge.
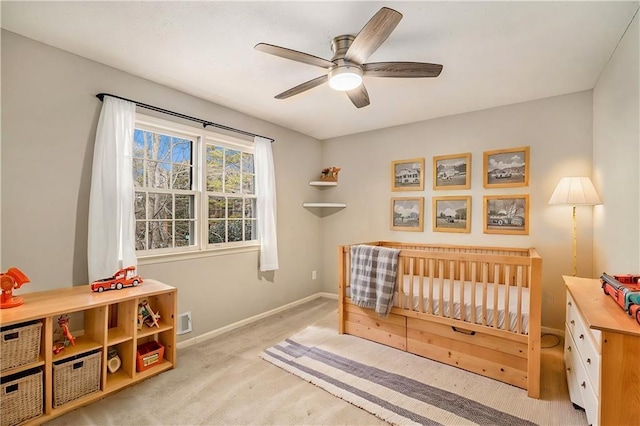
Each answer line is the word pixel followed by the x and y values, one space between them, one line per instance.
pixel 204 123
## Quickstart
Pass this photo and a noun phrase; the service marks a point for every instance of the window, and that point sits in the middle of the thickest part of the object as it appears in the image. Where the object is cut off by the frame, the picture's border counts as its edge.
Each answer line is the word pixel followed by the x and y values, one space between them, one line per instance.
pixel 194 189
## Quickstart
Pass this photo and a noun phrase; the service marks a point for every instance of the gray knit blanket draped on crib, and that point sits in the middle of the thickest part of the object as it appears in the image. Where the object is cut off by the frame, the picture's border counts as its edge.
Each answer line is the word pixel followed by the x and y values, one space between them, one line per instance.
pixel 373 277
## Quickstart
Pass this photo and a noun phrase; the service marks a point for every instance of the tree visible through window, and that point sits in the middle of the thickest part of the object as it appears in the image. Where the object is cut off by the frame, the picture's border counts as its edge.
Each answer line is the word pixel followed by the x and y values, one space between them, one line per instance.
pixel 179 208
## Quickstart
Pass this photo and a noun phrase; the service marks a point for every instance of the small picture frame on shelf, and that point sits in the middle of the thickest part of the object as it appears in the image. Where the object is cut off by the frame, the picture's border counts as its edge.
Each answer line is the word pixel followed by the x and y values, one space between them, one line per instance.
pixel 451 214
pixel 407 175
pixel 506 168
pixel 506 214
pixel 452 171
pixel 407 214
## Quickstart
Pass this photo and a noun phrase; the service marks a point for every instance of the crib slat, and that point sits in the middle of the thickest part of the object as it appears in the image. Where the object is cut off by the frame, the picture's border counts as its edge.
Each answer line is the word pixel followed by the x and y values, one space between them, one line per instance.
pixel 485 280
pixel 420 287
pixel 431 273
pixel 441 287
pixel 452 274
pixel 496 284
pixel 399 280
pixel 463 266
pixel 474 271
pixel 507 287
pixel 519 283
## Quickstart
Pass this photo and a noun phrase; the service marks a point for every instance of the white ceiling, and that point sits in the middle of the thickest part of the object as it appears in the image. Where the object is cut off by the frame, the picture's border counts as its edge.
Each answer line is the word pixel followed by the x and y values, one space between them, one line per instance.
pixel 494 53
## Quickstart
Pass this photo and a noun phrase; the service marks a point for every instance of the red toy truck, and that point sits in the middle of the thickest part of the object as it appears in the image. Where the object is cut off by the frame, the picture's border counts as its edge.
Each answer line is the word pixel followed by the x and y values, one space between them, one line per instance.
pixel 123 278
pixel 625 290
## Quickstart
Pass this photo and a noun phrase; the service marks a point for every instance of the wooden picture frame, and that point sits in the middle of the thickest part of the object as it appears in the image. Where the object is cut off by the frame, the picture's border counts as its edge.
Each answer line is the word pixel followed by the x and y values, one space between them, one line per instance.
pixel 407 175
pixel 506 168
pixel 407 214
pixel 452 171
pixel 506 214
pixel 452 214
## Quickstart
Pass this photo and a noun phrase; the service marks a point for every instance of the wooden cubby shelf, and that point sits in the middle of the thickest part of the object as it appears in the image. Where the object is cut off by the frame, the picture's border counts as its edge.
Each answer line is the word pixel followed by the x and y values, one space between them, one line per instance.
pixel 98 321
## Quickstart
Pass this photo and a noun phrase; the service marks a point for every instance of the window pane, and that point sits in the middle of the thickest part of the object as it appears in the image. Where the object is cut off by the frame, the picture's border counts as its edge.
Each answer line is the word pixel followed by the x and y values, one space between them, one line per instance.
pixel 247 163
pixel 248 184
pixel 184 232
pixel 217 208
pixel 138 143
pixel 182 176
pixel 181 151
pixel 185 207
pixel 216 231
pixel 160 206
pixel 138 172
pixel 235 208
pixel 235 230
pixel 141 235
pixel 160 234
pixel 158 174
pixel 250 208
pixel 214 181
pixel 140 205
pixel 158 146
pixel 250 229
pixel 215 157
pixel 232 171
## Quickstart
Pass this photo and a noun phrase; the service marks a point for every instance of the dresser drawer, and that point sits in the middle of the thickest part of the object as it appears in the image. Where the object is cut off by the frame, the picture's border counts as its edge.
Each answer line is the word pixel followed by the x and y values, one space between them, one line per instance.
pixel 581 390
pixel 585 344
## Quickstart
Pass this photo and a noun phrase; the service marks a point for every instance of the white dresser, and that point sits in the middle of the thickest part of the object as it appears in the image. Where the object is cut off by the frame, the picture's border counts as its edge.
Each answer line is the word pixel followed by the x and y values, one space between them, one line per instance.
pixel 602 355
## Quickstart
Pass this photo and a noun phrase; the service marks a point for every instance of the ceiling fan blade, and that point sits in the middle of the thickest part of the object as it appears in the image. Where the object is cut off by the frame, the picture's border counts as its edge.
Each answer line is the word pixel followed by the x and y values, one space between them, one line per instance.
pixel 293 55
pixel 401 69
pixel 302 87
pixel 359 96
pixel 372 35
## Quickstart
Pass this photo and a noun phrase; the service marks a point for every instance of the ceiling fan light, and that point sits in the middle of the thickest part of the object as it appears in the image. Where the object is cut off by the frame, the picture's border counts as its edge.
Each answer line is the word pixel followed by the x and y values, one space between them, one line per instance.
pixel 345 77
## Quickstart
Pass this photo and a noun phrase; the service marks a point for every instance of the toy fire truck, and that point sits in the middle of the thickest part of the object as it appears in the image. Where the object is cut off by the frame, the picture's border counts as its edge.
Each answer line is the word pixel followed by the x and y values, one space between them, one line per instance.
pixel 625 290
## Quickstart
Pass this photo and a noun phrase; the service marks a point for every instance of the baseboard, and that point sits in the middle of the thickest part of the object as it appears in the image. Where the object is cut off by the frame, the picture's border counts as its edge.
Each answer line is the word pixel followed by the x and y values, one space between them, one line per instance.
pixel 230 327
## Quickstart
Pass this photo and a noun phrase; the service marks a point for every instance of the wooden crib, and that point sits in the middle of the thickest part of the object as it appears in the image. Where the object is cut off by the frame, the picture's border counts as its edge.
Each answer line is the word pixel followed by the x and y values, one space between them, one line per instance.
pixel 476 308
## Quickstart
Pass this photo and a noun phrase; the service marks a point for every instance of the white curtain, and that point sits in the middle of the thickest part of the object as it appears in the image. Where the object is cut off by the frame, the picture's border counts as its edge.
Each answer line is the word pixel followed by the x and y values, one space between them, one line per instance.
pixel 266 194
pixel 111 239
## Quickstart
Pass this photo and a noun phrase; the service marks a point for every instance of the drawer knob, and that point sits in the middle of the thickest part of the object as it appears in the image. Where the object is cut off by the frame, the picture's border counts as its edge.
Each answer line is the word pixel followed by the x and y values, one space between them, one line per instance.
pixel 569 303
pixel 572 322
pixel 569 348
pixel 583 384
pixel 588 360
pixel 568 368
pixel 582 336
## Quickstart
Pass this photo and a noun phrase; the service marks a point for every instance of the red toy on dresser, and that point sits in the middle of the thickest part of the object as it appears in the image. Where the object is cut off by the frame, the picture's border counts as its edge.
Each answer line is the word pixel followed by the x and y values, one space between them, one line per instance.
pixel 625 290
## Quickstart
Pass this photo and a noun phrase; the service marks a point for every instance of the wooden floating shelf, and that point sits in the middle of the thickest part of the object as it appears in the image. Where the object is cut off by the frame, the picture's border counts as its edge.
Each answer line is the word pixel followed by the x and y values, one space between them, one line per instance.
pixel 325 205
pixel 323 183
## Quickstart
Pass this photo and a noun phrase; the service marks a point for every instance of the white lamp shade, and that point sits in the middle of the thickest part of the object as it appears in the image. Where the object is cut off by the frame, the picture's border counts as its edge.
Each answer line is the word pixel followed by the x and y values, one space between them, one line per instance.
pixel 575 191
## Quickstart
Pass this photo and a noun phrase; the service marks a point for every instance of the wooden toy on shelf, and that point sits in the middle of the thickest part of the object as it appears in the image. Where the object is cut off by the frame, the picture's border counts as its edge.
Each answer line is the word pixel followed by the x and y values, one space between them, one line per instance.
pixel 146 315
pixel 63 323
pixel 11 280
pixel 123 278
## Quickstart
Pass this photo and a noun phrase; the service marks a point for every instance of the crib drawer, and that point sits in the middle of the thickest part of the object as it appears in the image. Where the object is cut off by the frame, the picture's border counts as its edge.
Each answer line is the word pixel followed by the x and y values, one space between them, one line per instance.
pixel 365 323
pixel 500 359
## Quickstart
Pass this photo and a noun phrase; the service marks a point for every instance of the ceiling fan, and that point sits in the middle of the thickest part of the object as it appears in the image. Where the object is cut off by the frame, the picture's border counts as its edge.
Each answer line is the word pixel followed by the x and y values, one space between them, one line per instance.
pixel 347 67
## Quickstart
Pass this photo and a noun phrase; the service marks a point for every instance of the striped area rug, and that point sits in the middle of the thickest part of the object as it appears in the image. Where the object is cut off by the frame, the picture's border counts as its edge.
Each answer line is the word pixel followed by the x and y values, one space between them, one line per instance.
pixel 402 388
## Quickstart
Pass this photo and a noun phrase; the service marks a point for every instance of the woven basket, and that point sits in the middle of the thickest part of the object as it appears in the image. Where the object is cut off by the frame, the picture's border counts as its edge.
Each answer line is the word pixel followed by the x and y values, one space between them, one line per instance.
pixel 76 377
pixel 21 397
pixel 20 344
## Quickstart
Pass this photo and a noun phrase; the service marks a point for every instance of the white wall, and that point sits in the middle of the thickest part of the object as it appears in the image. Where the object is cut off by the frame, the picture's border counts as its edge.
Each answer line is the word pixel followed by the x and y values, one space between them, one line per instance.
pixel 559 132
pixel 616 158
pixel 49 118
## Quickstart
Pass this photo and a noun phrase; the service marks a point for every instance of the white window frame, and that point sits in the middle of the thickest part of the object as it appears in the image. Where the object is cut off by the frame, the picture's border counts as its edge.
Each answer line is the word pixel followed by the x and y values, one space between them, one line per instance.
pixel 200 137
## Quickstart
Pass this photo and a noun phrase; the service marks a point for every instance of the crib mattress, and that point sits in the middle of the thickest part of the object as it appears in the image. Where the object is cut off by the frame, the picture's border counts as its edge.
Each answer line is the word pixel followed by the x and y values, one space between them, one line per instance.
pixel 413 301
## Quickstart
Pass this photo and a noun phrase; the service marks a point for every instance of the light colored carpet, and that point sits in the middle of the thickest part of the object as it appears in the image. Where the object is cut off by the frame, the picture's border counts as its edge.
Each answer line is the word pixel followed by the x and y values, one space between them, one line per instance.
pixel 403 388
pixel 223 381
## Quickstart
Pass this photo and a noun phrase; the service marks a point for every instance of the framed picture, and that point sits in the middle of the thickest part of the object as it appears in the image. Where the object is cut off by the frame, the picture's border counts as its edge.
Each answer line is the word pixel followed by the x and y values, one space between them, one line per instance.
pixel 452 214
pixel 506 168
pixel 407 214
pixel 506 214
pixel 452 171
pixel 407 175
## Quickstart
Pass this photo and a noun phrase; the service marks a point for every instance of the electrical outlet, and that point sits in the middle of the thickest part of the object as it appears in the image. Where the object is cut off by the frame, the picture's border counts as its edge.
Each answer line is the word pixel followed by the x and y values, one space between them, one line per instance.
pixel 185 324
pixel 314 275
